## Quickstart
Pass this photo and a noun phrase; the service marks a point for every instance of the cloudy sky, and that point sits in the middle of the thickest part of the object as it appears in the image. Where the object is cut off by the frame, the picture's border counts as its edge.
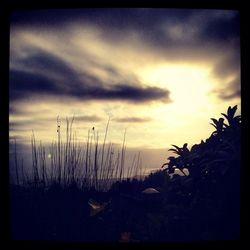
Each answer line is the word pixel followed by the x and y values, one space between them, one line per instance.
pixel 161 74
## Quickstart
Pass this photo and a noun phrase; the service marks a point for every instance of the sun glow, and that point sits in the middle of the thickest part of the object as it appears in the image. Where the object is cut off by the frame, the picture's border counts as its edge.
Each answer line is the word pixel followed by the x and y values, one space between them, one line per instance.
pixel 189 85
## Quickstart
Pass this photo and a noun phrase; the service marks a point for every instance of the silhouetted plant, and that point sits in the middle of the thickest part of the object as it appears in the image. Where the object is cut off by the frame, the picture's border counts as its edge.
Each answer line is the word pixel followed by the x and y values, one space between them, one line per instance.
pixel 214 155
pixel 218 124
pixel 233 121
pixel 183 152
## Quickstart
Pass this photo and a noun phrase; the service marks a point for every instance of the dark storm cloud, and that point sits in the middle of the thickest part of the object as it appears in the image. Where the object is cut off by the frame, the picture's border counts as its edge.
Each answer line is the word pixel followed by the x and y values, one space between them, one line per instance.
pixel 24 85
pixel 128 93
pixel 218 25
pixel 42 61
pixel 184 31
pixel 45 74
pixel 133 119
pixel 117 17
pixel 222 28
pixel 183 35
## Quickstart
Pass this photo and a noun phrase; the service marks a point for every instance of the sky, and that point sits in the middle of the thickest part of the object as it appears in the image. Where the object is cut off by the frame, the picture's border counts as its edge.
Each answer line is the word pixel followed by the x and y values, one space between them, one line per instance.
pixel 159 74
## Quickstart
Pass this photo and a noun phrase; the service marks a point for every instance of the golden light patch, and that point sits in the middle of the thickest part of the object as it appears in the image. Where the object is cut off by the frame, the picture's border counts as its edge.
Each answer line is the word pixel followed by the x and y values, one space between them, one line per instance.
pixel 189 84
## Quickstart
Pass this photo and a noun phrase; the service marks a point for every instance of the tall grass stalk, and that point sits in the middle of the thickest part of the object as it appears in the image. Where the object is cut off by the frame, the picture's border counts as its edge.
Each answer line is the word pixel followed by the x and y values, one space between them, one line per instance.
pixel 87 164
pixel 122 156
pixel 34 160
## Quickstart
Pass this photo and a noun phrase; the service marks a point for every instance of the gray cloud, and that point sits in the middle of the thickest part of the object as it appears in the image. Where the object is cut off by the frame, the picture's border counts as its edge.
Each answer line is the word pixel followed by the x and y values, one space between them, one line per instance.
pixel 184 35
pixel 12 140
pixel 235 94
pixel 20 110
pixel 160 28
pixel 88 118
pixel 45 74
pixel 228 71
pixel 211 24
pixel 133 119
pixel 28 124
pixel 231 91
pixel 228 65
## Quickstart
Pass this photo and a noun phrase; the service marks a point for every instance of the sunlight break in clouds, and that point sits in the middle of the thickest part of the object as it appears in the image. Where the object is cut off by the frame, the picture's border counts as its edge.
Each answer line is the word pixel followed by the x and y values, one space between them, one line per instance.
pixel 160 74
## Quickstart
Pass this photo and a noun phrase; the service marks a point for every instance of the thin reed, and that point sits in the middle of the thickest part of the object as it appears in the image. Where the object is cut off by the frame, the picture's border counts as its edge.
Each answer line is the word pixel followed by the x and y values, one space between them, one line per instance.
pixel 89 164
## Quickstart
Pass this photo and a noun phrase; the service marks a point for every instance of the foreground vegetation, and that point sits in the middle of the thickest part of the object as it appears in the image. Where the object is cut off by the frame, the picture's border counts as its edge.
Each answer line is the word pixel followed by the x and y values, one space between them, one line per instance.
pixel 202 202
pixel 89 165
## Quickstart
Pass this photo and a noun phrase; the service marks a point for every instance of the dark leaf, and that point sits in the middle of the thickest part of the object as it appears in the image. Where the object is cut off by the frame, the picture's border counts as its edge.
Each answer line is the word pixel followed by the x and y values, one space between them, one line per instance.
pixel 221 120
pixel 214 120
pixel 178 148
pixel 174 150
